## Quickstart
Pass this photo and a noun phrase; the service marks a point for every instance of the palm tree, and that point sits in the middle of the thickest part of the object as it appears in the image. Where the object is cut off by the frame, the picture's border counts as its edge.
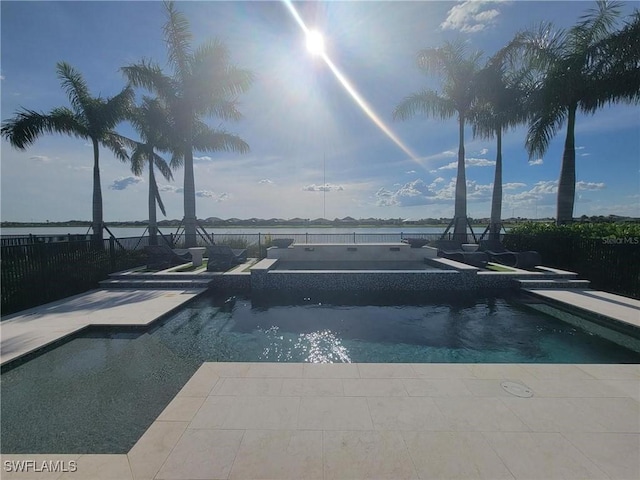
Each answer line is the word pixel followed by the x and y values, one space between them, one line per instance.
pixel 90 118
pixel 150 120
pixel 583 69
pixel 501 95
pixel 203 83
pixel 458 72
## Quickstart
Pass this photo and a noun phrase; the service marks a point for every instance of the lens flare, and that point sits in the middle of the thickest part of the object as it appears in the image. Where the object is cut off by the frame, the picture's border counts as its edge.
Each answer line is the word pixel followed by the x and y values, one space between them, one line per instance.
pixel 366 108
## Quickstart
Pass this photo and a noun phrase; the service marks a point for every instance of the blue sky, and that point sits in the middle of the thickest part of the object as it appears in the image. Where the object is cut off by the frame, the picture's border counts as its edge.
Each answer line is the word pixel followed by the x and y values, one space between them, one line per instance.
pixel 299 120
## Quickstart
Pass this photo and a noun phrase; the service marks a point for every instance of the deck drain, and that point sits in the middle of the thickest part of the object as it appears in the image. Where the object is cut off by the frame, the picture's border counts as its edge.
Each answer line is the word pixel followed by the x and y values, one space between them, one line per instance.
pixel 517 389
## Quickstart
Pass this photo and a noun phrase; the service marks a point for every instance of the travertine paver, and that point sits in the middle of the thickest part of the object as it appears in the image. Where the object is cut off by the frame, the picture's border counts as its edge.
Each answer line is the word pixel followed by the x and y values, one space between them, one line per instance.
pixel 290 421
pixel 37 327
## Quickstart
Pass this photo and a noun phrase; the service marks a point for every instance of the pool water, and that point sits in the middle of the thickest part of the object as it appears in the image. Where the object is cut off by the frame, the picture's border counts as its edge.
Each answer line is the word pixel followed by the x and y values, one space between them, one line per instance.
pixel 99 392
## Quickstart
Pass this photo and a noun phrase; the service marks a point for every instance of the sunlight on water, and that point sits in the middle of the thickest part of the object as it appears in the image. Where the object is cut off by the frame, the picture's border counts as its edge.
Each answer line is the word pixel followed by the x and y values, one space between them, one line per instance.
pixel 322 347
pixel 314 347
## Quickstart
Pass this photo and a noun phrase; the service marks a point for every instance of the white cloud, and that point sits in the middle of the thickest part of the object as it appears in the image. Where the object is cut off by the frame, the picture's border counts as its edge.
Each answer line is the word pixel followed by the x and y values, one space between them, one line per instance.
pixel 470 162
pixel 513 186
pixel 471 16
pixel 585 154
pixel 40 158
pixel 410 172
pixel 217 197
pixel 170 188
pixel 124 182
pixel 579 148
pixel 205 158
pixel 484 151
pixel 265 181
pixel 539 161
pixel 1 77
pixel 589 186
pixel 323 188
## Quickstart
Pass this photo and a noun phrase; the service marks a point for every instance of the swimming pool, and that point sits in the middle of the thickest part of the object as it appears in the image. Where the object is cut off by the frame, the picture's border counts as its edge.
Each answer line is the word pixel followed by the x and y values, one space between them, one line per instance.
pixel 100 391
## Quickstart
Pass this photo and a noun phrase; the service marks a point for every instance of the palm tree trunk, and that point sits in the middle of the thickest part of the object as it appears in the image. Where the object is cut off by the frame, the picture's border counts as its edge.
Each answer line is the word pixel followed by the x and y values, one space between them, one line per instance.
pixel 496 199
pixel 460 210
pixel 153 225
pixel 189 200
pixel 567 183
pixel 96 222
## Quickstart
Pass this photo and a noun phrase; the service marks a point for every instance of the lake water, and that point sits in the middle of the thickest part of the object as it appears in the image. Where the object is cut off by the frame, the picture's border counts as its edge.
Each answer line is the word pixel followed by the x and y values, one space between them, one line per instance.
pixel 124 232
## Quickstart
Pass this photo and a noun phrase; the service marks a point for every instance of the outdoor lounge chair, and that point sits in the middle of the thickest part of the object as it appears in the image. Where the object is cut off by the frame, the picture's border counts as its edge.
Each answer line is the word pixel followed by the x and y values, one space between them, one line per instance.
pixel 223 257
pixel 499 254
pixel 453 251
pixel 160 257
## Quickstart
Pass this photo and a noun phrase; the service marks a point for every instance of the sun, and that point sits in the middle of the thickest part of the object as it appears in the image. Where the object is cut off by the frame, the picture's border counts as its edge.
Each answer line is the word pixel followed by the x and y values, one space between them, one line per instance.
pixel 315 43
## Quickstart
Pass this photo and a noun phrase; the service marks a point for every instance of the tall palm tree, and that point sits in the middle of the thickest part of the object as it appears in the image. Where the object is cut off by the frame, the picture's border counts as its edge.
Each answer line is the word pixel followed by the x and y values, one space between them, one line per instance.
pixel 458 72
pixel 501 105
pixel 89 118
pixel 151 121
pixel 203 83
pixel 576 72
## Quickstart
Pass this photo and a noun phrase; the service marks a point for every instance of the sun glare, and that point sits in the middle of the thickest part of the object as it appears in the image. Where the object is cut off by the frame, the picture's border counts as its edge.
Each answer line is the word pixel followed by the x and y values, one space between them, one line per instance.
pixel 315 42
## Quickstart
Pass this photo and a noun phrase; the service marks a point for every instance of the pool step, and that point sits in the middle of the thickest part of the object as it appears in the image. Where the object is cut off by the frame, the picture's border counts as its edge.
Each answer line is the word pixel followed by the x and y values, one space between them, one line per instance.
pixel 165 284
pixel 553 284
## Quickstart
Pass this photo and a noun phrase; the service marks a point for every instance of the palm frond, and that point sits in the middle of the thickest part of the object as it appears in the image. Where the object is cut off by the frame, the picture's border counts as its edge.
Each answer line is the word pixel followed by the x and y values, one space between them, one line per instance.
pixel 178 39
pixel 75 86
pixel 150 76
pixel 428 102
pixel 226 110
pixel 115 143
pixel 117 108
pixel 156 194
pixel 162 166
pixel 137 159
pixel 544 126
pixel 27 125
pixel 206 139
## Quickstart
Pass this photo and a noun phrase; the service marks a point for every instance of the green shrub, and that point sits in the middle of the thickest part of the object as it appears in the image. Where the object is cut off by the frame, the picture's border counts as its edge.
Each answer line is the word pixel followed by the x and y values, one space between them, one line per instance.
pixel 578 230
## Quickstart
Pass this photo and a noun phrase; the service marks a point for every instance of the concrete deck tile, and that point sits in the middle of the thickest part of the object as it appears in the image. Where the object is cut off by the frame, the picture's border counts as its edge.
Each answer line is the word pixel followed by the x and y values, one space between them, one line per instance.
pixel 613 372
pixel 319 387
pixel 630 388
pixel 37 327
pixel 279 370
pixel 555 371
pixel 459 455
pixel 436 387
pixel 406 413
pixel 500 371
pixel 202 455
pixel 617 415
pixel 487 388
pixel 366 455
pixel 248 412
pixel 334 413
pixel 617 454
pixel 482 414
pixel 226 369
pixel 441 370
pixel 613 306
pixel 150 452
pixel 279 454
pixel 248 386
pixel 330 370
pixel 538 456
pixel 181 409
pixel 386 370
pixel 374 387
pixel 201 383
pixel 569 387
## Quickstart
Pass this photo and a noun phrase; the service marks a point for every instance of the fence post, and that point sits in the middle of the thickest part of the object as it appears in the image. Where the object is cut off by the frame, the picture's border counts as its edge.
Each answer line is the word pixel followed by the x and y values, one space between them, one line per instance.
pixel 112 254
pixel 306 237
pixel 259 245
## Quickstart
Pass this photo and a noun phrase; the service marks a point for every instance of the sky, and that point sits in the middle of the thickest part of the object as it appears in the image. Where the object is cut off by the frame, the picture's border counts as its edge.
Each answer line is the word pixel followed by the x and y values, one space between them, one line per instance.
pixel 314 151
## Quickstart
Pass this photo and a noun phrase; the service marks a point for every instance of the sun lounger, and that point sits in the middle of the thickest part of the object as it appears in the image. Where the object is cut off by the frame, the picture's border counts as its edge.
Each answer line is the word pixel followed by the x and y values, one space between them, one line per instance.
pixel 499 254
pixel 223 257
pixel 160 257
pixel 453 251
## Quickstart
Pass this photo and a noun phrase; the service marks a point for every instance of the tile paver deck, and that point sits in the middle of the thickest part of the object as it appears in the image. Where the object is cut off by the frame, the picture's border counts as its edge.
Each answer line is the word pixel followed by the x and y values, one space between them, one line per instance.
pixel 37 327
pixel 292 421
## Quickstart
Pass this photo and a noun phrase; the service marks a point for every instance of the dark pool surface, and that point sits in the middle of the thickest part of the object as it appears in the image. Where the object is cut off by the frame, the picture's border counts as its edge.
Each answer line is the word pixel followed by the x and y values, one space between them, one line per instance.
pixel 99 392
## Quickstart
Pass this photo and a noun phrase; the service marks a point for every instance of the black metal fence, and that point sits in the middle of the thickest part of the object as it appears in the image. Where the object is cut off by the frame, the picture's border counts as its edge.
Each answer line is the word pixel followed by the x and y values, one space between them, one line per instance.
pixel 612 265
pixel 37 273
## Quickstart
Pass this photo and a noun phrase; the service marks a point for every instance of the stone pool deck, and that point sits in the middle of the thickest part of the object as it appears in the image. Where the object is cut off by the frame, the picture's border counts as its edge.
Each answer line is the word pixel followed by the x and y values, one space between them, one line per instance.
pixel 352 421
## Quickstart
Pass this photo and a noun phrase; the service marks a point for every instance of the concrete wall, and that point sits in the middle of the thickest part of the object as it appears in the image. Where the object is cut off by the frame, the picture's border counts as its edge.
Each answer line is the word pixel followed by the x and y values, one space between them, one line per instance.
pixel 341 252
